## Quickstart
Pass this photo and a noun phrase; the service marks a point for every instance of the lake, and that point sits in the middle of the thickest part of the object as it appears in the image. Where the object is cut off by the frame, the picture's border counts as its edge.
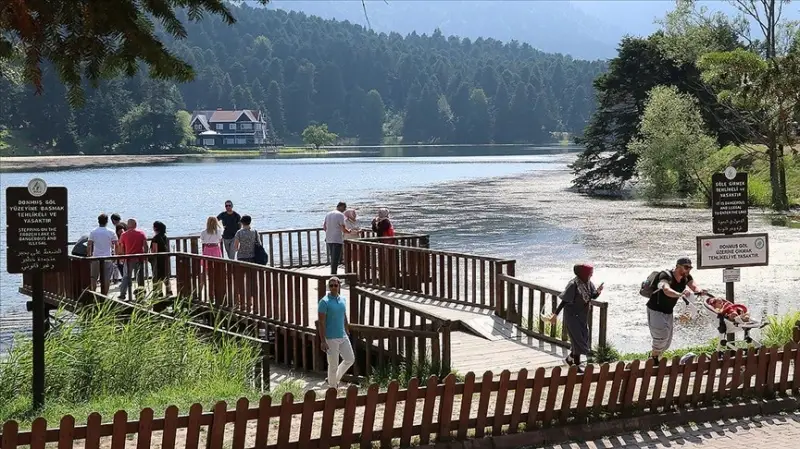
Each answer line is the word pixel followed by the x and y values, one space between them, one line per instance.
pixel 510 202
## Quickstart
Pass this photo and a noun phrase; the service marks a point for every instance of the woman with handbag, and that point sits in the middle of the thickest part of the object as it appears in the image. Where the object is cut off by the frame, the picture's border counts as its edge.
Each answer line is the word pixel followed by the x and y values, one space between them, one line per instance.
pixel 244 243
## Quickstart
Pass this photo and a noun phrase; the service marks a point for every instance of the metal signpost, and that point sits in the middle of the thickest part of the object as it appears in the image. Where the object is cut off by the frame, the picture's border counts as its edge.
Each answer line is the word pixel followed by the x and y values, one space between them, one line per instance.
pixel 735 248
pixel 36 239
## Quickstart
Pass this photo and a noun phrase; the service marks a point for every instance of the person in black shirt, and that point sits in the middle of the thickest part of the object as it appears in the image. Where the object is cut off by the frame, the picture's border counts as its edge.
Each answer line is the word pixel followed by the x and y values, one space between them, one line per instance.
pixel 160 244
pixel 672 285
pixel 231 222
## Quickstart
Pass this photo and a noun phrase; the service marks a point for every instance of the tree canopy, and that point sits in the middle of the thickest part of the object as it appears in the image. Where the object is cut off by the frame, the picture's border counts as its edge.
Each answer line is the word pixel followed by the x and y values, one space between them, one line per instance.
pixel 92 40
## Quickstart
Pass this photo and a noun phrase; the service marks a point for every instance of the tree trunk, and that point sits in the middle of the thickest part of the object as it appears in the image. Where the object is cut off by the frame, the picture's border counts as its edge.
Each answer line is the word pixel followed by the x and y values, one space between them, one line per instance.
pixel 776 175
pixel 784 196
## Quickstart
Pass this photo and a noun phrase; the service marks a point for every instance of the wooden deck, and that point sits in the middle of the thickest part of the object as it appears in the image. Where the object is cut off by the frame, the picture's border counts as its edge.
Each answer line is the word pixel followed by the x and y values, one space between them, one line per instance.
pixel 482 342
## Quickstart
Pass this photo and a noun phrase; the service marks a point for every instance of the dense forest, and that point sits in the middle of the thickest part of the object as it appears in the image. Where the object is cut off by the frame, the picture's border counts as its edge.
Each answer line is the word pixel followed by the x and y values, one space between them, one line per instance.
pixel 301 69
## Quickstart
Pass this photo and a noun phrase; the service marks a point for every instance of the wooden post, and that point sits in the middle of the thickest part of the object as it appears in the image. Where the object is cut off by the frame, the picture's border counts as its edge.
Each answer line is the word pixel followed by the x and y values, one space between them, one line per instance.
pixel 512 314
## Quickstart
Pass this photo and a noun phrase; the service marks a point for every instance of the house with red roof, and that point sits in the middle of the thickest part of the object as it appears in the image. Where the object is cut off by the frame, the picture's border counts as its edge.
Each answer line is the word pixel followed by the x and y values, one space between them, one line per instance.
pixel 243 128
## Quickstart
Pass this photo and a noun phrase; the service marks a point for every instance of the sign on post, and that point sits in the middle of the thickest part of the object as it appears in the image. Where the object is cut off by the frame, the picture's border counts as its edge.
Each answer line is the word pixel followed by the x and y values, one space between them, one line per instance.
pixel 36 239
pixel 36 228
pixel 730 251
pixel 729 202
pixel 731 275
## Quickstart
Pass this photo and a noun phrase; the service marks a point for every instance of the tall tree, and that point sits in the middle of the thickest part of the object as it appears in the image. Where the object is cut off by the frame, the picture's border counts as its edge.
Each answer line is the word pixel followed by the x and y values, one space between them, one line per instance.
pixel 275 108
pixel 374 115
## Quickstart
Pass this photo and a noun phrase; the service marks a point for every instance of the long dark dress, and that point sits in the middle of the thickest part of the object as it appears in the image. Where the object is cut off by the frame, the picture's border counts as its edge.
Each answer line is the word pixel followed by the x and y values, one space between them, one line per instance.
pixel 161 263
pixel 576 316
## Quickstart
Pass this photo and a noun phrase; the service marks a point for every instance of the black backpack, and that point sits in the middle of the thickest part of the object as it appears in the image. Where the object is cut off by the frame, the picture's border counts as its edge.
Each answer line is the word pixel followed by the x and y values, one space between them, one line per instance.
pixel 650 285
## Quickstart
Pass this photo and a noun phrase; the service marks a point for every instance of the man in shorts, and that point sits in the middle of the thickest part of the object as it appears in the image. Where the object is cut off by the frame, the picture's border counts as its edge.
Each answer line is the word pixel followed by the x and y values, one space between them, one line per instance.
pixel 101 243
pixel 672 285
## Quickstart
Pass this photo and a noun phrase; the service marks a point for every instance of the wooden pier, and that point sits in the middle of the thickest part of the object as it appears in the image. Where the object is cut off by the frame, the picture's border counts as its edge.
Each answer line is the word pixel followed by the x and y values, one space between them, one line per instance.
pixel 408 303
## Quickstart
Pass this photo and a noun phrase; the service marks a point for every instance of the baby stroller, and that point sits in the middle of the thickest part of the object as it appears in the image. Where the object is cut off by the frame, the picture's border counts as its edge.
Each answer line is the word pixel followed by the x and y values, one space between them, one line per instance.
pixel 732 319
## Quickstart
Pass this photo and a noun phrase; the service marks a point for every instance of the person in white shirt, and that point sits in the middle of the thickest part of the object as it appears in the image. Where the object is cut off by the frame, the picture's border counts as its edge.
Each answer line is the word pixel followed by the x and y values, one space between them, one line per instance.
pixel 211 241
pixel 335 229
pixel 101 244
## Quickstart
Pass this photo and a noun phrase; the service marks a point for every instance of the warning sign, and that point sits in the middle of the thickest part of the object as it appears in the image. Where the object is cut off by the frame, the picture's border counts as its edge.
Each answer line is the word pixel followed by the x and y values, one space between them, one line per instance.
pixel 729 203
pixel 746 250
pixel 36 228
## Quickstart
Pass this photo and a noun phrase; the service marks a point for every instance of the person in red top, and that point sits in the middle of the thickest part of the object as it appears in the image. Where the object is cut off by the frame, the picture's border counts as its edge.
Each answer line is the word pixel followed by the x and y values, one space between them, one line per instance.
pixel 133 241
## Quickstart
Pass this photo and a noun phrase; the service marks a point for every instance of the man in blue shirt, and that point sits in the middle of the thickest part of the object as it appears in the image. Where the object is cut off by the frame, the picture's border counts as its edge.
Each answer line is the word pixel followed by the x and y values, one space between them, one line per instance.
pixel 333 331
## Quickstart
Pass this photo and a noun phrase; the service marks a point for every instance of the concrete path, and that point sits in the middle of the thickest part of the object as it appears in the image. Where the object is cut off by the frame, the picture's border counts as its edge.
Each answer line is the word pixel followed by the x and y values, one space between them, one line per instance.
pixel 763 432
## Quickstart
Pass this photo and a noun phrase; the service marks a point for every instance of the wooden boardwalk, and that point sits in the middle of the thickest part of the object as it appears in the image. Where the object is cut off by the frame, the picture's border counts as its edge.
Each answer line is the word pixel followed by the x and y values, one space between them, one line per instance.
pixel 482 341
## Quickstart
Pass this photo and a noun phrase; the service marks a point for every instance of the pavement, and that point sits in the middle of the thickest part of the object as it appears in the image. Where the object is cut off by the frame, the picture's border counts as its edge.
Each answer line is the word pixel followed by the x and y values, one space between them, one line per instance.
pixel 762 432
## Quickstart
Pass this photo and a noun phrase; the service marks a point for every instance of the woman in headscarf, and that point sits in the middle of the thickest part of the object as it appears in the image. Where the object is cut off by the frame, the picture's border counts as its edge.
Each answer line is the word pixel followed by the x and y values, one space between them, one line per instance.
pixel 576 300
pixel 382 225
pixel 351 223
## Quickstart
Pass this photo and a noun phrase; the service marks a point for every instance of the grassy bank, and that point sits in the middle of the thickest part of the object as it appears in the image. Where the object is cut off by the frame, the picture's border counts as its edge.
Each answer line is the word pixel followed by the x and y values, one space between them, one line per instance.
pixel 778 333
pixel 100 363
pixel 755 161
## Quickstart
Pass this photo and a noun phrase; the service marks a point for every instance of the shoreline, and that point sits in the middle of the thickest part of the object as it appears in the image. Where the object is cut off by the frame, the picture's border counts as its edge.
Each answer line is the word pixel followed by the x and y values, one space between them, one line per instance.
pixel 15 164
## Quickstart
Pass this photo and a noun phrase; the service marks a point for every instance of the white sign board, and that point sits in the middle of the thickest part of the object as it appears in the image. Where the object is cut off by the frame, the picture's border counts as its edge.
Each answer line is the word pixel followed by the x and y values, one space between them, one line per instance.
pixel 728 251
pixel 731 275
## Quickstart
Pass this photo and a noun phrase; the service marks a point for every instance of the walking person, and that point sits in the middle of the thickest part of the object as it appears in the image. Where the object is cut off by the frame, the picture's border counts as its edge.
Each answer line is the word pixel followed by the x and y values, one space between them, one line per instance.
pixel 133 241
pixel 101 243
pixel 351 223
pixel 244 241
pixel 335 230
pixel 334 332
pixel 231 222
pixel 161 271
pixel 671 285
pixel 211 241
pixel 576 301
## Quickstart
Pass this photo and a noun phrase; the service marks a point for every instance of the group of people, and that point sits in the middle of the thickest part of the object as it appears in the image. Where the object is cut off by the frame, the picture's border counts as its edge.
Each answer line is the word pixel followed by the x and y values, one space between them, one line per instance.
pixel 125 239
pixel 341 224
pixel 671 286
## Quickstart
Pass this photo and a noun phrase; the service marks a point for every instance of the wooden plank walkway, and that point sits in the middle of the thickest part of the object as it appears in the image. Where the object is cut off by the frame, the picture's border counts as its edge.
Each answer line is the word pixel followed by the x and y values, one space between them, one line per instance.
pixel 484 341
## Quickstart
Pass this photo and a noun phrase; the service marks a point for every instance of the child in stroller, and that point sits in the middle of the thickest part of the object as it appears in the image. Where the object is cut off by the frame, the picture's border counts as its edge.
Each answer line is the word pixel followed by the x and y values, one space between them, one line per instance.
pixel 733 318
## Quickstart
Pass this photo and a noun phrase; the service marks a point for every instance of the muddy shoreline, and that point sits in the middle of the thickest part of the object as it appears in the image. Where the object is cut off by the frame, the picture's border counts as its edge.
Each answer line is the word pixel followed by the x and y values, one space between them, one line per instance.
pixel 53 163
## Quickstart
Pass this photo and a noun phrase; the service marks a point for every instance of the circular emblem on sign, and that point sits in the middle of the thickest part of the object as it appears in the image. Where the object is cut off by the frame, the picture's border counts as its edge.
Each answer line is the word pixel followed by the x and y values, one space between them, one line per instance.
pixel 759 243
pixel 730 173
pixel 37 187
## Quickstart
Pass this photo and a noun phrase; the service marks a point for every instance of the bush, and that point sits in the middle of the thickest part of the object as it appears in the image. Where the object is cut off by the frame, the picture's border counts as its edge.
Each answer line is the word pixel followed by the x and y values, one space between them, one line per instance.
pixel 759 192
pixel 605 354
pixel 101 360
pixel 780 329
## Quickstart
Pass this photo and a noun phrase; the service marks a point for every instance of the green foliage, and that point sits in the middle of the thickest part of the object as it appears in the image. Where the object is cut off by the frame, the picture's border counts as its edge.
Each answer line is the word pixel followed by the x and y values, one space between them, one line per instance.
pixel 780 329
pixel 101 363
pixel 671 145
pixel 605 354
pixel 294 386
pixel 87 52
pixel 301 69
pixel 318 135
pixel 403 374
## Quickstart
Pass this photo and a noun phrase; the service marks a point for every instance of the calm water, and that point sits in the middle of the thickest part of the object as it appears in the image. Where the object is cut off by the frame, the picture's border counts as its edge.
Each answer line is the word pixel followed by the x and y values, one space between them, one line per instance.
pixel 277 193
pixel 512 203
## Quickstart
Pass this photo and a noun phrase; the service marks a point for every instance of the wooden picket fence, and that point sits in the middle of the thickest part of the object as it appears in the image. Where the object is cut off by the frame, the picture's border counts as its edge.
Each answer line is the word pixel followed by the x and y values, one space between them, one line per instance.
pixel 440 412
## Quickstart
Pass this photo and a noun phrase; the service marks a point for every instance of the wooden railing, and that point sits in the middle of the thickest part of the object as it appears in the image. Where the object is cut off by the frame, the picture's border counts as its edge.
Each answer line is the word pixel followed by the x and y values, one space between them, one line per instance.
pixel 447 411
pixel 447 276
pixel 526 302
pixel 389 352
pixel 381 313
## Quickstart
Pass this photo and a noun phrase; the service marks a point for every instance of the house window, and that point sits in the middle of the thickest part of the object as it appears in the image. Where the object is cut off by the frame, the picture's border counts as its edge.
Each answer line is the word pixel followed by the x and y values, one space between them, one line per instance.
pixel 247 126
pixel 241 141
pixel 208 142
pixel 198 127
pixel 258 126
pixel 230 141
pixel 232 126
pixel 220 126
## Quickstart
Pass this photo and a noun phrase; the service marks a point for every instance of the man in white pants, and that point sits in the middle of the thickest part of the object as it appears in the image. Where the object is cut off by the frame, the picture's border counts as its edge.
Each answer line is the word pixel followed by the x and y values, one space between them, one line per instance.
pixel 333 332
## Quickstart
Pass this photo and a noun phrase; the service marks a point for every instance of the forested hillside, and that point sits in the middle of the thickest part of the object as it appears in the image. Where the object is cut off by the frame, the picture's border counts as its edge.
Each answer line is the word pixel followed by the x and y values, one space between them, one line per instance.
pixel 302 69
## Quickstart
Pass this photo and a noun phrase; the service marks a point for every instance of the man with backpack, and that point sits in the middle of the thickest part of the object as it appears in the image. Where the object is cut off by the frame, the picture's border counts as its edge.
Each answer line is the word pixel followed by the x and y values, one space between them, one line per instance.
pixel 664 289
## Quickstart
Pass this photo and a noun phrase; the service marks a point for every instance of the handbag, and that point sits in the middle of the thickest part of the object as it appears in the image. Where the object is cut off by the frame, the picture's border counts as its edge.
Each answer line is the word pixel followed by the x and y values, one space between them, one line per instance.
pixel 259 253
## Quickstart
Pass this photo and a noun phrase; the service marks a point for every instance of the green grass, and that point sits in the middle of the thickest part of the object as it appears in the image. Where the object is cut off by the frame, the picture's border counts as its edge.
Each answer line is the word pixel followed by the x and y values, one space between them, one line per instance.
pixel 402 374
pixel 754 160
pixel 778 333
pixel 296 150
pixel 101 363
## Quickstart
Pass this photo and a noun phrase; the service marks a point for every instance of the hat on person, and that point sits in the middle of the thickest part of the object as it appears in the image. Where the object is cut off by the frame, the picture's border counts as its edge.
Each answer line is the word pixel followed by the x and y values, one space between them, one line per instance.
pixel 684 261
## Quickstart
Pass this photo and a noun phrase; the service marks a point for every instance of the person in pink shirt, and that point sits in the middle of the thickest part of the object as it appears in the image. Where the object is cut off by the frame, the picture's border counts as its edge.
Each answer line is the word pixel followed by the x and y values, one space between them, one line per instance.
pixel 133 241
